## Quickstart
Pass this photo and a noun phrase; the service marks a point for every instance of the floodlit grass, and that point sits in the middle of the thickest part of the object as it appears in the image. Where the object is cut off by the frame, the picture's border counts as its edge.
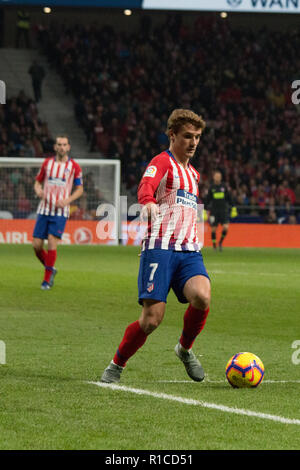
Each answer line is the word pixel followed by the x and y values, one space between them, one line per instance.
pixel 58 340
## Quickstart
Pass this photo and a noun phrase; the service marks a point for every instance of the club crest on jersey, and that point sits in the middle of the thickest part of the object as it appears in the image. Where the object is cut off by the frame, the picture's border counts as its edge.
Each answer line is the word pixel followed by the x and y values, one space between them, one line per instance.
pixel 151 171
pixel 150 286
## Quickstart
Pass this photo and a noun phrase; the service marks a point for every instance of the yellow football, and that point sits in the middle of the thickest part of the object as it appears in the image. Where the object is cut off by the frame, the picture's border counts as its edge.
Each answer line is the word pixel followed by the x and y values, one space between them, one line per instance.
pixel 244 370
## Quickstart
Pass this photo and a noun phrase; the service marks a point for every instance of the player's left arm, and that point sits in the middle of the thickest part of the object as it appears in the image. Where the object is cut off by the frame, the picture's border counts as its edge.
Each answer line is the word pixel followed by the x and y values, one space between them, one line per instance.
pixel 75 195
pixel 228 197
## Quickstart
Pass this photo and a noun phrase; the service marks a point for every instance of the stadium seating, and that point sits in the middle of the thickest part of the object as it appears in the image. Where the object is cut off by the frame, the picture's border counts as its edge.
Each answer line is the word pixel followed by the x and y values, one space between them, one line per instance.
pixel 123 101
pixel 23 133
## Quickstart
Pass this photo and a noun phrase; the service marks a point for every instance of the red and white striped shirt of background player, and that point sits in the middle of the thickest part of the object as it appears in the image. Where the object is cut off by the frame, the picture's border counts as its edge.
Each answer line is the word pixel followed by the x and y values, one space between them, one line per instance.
pixel 58 179
pixel 175 189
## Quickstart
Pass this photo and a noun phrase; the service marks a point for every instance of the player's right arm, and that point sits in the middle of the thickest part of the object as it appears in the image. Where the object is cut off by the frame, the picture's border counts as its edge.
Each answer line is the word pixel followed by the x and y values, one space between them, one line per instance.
pixel 38 184
pixel 154 173
pixel 38 189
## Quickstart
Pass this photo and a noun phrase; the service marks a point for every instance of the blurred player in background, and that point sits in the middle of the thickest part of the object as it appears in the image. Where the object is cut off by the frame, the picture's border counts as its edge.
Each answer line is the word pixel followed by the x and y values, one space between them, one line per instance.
pixel 219 203
pixel 53 185
pixel 171 256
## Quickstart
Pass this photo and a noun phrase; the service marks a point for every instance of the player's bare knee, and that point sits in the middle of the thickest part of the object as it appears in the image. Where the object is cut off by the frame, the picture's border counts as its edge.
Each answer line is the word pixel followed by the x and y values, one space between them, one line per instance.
pixel 201 299
pixel 151 325
pixel 37 244
pixel 151 317
pixel 201 303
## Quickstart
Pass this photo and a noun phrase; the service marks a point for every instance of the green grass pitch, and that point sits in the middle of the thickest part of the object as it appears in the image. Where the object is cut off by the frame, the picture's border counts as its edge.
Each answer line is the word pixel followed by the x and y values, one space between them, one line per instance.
pixel 59 340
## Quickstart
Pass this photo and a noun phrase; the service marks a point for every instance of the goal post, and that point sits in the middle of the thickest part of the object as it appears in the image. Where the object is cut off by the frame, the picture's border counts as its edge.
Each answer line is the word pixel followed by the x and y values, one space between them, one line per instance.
pixel 18 202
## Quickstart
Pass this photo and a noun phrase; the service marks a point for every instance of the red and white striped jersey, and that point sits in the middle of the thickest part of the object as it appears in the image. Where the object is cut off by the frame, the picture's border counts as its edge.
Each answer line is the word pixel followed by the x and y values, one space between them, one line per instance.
pixel 57 178
pixel 175 190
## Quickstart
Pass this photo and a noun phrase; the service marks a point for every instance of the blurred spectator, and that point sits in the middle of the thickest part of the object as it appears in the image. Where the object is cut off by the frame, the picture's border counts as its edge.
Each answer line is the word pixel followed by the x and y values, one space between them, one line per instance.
pixel 81 211
pixel 23 204
pixel 1 26
pixel 271 218
pixel 22 133
pixel 37 73
pixel 23 28
pixel 286 214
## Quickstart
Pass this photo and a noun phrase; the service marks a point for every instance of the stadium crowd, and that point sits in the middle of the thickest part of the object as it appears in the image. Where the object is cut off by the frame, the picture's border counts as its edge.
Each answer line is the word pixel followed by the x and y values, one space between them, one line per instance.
pixel 239 81
pixel 126 85
pixel 23 133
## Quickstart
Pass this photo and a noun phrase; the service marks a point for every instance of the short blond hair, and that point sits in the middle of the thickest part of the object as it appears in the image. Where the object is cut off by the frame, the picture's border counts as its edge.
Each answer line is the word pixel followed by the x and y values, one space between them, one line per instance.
pixel 180 117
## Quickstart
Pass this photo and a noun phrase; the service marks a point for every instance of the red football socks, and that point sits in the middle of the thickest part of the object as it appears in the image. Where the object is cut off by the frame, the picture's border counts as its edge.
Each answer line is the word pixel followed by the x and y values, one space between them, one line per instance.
pixel 49 264
pixel 134 338
pixel 193 322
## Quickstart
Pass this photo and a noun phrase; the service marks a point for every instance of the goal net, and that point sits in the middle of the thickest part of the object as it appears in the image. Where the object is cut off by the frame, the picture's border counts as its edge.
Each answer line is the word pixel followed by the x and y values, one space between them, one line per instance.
pixel 98 204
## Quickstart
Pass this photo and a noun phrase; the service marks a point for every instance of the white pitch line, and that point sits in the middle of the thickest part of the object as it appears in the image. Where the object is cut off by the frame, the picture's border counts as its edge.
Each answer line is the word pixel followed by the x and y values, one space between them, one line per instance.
pixel 281 381
pixel 266 381
pixel 203 404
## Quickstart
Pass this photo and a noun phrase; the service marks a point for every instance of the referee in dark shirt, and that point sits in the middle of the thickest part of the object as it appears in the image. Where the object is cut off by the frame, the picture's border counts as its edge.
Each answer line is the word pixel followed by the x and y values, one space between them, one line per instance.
pixel 218 202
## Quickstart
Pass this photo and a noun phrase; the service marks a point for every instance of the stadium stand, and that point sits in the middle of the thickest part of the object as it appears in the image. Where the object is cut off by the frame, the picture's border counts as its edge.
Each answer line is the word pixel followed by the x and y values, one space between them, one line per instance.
pixel 23 133
pixel 123 100
pixel 55 107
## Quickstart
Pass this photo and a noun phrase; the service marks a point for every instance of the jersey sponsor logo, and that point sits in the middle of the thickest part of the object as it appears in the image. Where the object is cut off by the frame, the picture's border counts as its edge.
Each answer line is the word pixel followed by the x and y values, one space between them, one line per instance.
pixel 151 171
pixel 184 198
pixel 56 182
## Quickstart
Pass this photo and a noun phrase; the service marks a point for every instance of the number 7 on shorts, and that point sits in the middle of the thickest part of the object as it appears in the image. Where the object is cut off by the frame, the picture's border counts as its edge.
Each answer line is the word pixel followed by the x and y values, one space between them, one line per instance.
pixel 154 267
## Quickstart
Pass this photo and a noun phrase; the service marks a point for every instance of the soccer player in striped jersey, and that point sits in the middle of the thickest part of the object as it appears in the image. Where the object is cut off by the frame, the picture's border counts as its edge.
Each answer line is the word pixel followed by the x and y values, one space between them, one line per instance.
pixel 53 185
pixel 171 256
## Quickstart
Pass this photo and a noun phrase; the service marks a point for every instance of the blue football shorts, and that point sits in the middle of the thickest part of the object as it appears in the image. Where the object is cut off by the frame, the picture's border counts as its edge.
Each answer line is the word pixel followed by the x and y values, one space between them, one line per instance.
pixel 49 225
pixel 160 270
